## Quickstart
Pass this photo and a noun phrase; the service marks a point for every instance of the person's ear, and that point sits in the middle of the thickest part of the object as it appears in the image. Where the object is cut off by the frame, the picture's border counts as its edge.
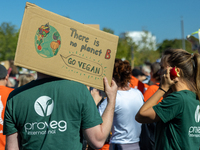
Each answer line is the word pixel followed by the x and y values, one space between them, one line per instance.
pixel 176 79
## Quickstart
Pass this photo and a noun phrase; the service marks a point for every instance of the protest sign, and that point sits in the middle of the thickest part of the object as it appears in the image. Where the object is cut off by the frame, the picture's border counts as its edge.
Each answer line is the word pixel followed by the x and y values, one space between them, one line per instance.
pixel 93 25
pixel 61 47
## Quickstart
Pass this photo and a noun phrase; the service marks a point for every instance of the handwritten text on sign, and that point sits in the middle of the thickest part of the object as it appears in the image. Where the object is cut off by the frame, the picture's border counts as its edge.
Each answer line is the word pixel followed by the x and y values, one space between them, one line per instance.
pixel 74 34
pixel 83 64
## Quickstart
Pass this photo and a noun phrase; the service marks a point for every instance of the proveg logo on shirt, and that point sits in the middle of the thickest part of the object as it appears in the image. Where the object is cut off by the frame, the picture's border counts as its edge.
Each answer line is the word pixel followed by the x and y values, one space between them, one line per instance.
pixel 43 107
pixel 194 131
pixel 197 114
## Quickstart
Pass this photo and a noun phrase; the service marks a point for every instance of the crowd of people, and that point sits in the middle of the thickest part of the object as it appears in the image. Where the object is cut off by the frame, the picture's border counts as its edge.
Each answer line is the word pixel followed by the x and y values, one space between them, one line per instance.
pixel 162 112
pixel 144 108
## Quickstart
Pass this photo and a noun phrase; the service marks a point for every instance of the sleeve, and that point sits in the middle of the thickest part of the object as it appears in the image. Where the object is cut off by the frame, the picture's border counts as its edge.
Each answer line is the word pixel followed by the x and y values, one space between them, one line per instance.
pixel 90 115
pixel 170 107
pixel 9 125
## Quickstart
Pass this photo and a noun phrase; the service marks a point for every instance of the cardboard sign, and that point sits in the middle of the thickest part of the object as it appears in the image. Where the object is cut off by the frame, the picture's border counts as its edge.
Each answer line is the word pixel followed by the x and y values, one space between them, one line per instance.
pixel 58 46
pixel 94 25
pixel 5 63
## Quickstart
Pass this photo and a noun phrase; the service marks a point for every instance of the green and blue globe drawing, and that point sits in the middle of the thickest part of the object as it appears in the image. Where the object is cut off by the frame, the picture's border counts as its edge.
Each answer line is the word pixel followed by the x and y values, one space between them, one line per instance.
pixel 47 41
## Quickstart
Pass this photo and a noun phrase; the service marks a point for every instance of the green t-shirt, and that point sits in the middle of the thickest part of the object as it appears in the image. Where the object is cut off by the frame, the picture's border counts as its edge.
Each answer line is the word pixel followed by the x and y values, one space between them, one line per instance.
pixel 180 125
pixel 50 113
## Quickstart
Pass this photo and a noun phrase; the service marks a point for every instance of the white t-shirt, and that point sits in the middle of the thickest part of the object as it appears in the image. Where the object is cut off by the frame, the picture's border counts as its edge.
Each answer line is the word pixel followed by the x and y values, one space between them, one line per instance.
pixel 125 128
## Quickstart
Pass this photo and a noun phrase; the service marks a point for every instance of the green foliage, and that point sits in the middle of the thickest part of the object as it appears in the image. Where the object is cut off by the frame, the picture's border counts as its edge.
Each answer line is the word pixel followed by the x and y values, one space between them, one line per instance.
pixel 108 30
pixel 124 48
pixel 8 41
pixel 146 50
pixel 143 51
pixel 175 43
pixel 127 48
pixel 145 56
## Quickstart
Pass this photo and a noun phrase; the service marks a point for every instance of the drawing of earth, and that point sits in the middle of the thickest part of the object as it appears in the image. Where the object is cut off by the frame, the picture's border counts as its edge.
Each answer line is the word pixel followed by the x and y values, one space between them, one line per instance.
pixel 47 41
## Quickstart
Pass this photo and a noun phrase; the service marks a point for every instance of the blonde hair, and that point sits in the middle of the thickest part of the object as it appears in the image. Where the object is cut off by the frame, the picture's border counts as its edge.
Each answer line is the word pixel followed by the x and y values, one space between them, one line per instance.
pixel 24 79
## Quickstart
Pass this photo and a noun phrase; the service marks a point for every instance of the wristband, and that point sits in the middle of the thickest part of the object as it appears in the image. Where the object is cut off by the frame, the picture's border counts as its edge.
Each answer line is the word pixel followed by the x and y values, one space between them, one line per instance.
pixel 162 89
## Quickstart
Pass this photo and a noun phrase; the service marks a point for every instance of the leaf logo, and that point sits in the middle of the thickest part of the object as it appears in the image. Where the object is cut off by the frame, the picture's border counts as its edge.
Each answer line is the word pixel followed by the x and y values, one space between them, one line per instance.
pixel 44 106
pixel 197 114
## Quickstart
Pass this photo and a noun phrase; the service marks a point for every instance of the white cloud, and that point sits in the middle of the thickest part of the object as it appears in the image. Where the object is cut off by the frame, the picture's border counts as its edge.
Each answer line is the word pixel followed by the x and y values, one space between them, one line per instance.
pixel 137 38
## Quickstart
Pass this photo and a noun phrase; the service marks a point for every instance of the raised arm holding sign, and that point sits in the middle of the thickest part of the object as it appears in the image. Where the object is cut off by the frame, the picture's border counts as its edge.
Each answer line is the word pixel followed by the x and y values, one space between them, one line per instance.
pixel 52 111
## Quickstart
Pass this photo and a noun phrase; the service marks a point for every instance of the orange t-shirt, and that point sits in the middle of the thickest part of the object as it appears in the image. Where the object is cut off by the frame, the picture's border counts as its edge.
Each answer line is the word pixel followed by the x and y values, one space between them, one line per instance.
pixel 4 92
pixel 135 83
pixel 105 147
pixel 150 91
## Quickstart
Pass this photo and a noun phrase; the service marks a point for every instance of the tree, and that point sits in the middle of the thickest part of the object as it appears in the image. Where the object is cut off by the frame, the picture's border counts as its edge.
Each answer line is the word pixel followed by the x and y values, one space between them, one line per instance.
pixel 125 45
pixel 175 43
pixel 146 51
pixel 108 30
pixel 8 41
pixel 143 50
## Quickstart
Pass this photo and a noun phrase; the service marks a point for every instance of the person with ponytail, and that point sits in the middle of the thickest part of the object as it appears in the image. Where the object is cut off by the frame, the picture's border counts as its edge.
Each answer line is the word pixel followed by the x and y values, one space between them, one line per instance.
pixel 177 115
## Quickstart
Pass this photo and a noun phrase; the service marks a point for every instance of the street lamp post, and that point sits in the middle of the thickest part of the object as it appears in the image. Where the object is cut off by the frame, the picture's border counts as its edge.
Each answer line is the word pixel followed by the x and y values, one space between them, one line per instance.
pixel 182 31
pixel 132 57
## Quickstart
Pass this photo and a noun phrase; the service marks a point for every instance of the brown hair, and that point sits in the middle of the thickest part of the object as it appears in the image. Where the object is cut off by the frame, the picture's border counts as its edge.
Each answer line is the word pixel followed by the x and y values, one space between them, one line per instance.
pixel 155 67
pixel 14 70
pixel 24 79
pixel 122 72
pixel 189 65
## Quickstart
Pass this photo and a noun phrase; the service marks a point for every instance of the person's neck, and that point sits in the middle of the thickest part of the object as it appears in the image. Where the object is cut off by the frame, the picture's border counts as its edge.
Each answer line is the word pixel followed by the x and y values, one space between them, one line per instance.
pixel 124 88
pixel 179 86
pixel 42 76
pixel 3 82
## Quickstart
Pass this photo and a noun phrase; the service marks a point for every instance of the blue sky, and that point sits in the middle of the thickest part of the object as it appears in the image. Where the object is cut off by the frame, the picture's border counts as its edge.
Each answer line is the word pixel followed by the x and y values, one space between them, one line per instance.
pixel 161 18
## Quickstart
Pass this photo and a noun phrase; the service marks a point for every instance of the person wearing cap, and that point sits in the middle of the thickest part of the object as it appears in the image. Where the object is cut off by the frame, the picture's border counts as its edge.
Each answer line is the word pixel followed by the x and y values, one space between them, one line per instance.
pixel 138 74
pixel 4 92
